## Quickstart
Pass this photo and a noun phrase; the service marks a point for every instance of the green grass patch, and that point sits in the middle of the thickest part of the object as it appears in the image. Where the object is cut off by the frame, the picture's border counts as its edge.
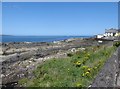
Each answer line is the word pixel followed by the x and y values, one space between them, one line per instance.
pixel 78 70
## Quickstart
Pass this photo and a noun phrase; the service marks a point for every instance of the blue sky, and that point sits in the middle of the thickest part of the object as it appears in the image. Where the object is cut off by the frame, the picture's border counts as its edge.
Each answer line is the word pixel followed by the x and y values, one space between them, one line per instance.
pixel 0 18
pixel 60 18
pixel 119 15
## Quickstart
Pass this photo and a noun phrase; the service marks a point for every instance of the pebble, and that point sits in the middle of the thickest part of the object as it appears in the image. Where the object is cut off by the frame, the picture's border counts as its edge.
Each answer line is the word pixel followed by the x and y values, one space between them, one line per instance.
pixel 2 75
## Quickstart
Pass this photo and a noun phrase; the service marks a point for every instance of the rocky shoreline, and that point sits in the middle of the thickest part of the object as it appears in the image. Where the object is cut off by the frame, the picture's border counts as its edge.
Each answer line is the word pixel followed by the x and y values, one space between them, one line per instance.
pixel 19 59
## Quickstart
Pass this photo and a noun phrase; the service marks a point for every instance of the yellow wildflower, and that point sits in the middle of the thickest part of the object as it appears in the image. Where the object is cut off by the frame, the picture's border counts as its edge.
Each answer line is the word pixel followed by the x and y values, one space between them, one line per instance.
pixel 88 55
pixel 79 85
pixel 89 69
pixel 95 68
pixel 87 72
pixel 78 63
pixel 83 74
pixel 84 67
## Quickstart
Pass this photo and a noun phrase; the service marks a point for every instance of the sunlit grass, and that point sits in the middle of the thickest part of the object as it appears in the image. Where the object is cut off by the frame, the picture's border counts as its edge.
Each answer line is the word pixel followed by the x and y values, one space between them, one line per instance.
pixel 78 70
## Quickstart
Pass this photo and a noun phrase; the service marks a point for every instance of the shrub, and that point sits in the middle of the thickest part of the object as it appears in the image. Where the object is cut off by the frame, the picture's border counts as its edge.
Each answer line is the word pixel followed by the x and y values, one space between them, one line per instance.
pixel 116 44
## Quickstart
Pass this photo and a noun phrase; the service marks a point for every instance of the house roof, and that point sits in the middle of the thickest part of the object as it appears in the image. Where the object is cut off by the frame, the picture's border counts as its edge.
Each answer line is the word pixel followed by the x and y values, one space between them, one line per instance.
pixel 111 30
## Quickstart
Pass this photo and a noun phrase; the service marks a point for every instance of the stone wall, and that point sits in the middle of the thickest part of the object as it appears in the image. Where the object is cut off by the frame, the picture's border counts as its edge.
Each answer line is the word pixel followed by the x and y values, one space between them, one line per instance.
pixel 109 74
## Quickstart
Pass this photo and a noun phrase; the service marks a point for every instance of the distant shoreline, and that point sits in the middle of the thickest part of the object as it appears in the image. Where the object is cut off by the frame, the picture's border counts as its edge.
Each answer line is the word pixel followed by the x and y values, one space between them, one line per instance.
pixel 9 39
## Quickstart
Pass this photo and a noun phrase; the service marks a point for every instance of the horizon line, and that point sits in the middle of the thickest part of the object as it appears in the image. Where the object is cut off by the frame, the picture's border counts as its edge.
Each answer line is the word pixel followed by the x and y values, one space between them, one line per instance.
pixel 44 35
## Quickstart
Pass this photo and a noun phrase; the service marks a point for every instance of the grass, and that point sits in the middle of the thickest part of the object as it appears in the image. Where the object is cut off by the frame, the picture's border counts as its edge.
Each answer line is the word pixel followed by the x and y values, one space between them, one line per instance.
pixel 78 70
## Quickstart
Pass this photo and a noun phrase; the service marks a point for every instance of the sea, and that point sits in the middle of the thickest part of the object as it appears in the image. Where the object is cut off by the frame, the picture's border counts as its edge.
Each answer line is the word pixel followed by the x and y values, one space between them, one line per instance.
pixel 7 38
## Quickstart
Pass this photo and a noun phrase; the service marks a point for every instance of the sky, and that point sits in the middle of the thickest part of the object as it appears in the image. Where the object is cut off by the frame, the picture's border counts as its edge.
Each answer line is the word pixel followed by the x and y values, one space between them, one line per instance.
pixel 58 18
pixel 119 15
pixel 60 0
pixel 0 18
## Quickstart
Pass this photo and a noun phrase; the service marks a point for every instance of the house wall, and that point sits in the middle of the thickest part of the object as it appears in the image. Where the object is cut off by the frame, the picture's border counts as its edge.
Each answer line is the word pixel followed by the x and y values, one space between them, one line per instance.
pixel 108 34
pixel 99 36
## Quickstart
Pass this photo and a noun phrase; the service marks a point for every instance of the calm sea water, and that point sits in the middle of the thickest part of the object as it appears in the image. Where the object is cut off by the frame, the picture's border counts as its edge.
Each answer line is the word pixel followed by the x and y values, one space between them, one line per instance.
pixel 36 38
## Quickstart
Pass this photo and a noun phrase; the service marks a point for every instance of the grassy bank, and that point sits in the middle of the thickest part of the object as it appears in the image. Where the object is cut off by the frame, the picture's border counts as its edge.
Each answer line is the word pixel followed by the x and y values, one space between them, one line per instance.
pixel 78 70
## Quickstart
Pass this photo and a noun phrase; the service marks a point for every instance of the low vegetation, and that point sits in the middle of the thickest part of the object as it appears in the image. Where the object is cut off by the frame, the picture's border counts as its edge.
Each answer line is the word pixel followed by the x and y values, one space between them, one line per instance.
pixel 116 44
pixel 78 70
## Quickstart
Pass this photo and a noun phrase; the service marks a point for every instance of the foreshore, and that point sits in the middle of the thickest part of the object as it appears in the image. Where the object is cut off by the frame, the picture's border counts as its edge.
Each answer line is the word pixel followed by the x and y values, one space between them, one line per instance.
pixel 19 59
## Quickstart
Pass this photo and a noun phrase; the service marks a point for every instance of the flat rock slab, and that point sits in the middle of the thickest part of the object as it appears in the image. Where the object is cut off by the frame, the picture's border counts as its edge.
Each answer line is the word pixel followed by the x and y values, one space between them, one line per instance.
pixel 107 77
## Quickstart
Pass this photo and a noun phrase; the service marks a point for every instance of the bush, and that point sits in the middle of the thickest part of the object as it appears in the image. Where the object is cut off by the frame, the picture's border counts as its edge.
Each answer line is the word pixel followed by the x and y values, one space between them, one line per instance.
pixel 116 44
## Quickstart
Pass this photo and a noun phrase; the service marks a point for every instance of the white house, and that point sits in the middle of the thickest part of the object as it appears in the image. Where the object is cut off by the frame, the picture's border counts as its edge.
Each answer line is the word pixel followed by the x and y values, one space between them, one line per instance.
pixel 100 35
pixel 111 32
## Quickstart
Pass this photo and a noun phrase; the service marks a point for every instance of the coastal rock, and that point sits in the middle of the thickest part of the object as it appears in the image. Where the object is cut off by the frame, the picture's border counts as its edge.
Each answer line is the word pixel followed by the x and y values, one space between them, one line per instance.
pixel 21 58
